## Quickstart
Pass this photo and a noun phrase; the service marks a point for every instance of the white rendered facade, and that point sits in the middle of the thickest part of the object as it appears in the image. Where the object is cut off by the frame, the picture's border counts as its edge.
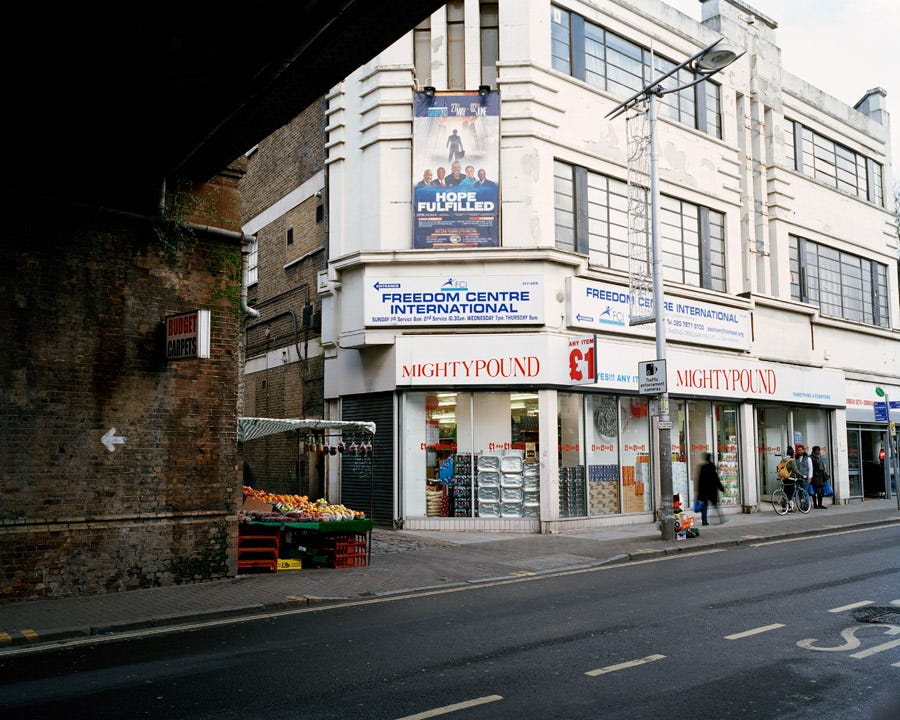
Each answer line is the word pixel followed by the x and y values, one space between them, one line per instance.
pixel 818 369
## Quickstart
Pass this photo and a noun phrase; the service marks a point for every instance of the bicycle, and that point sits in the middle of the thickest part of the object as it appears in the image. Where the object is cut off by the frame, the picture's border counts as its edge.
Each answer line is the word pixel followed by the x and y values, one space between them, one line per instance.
pixel 786 500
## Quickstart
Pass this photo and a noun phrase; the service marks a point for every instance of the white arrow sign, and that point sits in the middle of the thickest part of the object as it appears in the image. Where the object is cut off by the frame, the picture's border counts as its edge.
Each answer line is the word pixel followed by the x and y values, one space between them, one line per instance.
pixel 110 440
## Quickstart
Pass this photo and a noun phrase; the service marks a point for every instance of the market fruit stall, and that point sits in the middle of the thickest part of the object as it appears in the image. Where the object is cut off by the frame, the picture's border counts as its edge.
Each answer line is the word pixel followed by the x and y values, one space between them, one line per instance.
pixel 288 532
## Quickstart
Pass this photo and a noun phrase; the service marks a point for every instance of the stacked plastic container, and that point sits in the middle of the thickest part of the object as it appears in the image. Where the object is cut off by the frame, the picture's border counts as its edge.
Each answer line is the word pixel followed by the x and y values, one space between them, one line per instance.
pixel 531 491
pixel 488 484
pixel 572 491
pixel 512 482
pixel 462 486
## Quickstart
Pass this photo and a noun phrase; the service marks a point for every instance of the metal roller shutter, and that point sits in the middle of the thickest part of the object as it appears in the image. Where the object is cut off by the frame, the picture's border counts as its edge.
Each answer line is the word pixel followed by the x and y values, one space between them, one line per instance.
pixel 370 486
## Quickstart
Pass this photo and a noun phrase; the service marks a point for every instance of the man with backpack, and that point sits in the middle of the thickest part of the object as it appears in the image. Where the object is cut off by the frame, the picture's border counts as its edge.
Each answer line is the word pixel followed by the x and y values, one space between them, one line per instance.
pixel 788 473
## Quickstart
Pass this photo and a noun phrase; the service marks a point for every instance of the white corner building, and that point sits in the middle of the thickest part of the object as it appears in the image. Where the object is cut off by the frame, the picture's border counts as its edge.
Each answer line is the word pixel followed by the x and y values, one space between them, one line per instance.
pixel 488 328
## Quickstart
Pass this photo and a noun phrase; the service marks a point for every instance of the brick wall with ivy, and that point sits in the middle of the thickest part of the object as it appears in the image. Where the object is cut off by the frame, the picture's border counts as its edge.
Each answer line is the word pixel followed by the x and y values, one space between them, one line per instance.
pixel 83 297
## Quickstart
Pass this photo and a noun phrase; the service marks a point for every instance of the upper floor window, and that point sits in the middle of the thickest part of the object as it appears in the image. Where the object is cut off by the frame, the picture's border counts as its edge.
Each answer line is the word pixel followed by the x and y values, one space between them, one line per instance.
pixel 592 219
pixel 253 263
pixel 834 164
pixel 490 42
pixel 616 65
pixel 841 284
pixel 422 52
pixel 456 45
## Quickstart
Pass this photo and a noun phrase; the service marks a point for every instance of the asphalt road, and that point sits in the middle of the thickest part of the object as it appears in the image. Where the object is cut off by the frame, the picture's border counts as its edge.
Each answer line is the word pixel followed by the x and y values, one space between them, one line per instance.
pixel 808 628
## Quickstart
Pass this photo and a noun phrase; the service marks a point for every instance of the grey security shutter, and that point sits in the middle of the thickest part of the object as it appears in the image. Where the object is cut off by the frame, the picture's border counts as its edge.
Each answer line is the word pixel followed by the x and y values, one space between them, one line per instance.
pixel 370 486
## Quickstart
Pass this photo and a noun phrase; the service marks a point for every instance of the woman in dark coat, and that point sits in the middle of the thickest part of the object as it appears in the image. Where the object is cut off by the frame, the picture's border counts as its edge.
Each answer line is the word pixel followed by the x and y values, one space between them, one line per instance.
pixel 708 486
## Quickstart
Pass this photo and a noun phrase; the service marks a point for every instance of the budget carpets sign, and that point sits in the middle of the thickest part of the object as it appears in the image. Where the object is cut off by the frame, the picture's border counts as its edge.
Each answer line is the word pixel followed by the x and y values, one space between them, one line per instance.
pixel 187 335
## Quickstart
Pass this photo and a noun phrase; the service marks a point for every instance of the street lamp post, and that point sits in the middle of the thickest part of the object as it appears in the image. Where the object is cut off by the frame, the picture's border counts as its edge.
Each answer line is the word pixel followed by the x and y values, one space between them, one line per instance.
pixel 704 64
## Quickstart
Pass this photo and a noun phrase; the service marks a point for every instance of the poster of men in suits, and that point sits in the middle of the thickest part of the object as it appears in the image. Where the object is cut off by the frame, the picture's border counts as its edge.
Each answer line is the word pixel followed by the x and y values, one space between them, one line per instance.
pixel 456 158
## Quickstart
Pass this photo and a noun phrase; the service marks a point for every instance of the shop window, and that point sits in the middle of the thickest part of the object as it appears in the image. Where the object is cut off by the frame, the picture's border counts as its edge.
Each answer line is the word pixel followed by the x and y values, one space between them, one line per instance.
pixel 705 427
pixel 634 439
pixel 811 429
pixel 572 474
pixel 471 454
pixel 602 451
pixel 725 418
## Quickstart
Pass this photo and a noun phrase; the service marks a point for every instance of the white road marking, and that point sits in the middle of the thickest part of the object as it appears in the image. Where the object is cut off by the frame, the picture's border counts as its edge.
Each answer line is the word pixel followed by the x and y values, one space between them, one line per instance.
pixel 851 606
pixel 452 708
pixel 851 642
pixel 876 649
pixel 624 665
pixel 812 537
pixel 754 631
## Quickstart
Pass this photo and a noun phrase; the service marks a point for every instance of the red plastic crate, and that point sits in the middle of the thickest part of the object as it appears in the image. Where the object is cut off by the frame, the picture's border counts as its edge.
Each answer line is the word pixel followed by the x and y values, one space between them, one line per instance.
pixel 349 560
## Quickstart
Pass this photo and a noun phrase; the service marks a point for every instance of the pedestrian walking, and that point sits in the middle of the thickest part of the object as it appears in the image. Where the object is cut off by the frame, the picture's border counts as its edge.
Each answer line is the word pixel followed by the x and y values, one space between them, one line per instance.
pixel 709 484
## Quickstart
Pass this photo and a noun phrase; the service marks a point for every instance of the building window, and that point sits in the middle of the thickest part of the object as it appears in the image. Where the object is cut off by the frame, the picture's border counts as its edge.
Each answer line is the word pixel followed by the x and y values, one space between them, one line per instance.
pixel 592 219
pixel 477 452
pixel 253 263
pixel 490 42
pixel 564 205
pixel 840 284
pixel 456 45
pixel 834 164
pixel 560 40
pixel 290 236
pixel 609 62
pixel 422 52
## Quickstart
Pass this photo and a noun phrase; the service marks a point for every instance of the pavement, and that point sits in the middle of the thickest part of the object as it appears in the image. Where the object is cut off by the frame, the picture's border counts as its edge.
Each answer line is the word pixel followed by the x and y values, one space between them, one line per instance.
pixel 408 562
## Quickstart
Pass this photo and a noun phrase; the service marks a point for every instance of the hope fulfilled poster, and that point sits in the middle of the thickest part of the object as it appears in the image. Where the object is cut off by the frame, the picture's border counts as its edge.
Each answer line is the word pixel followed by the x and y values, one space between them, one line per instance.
pixel 456 158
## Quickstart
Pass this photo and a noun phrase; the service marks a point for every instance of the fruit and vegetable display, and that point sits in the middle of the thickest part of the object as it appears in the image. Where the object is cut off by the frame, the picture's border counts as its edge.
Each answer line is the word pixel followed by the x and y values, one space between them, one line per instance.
pixel 295 508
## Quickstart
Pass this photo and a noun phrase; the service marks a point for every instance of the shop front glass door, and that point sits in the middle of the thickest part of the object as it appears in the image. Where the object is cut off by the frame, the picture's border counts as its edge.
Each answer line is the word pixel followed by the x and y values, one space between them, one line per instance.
pixel 854 462
pixel 772 437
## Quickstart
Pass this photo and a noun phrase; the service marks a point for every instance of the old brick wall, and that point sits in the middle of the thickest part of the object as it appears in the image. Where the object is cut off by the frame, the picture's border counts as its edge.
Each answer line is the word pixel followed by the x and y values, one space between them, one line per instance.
pixel 83 297
pixel 287 378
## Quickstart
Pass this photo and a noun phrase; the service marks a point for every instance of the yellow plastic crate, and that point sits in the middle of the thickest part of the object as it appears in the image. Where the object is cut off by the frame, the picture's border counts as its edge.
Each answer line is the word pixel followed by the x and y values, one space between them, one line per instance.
pixel 289 564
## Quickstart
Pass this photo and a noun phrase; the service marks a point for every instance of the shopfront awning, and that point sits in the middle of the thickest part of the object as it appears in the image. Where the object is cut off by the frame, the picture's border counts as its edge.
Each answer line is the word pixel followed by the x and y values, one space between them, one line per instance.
pixel 251 428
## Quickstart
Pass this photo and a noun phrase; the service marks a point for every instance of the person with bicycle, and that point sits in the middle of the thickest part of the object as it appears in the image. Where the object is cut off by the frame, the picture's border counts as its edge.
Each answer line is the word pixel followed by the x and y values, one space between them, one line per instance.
pixel 796 475
pixel 789 487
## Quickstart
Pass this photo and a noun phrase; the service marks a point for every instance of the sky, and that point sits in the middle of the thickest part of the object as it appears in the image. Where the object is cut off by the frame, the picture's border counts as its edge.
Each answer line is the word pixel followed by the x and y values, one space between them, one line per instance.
pixel 844 47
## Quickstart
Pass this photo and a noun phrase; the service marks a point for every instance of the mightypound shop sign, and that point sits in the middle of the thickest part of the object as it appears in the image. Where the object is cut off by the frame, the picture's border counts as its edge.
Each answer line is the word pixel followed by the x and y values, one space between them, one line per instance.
pixel 187 335
pixel 504 359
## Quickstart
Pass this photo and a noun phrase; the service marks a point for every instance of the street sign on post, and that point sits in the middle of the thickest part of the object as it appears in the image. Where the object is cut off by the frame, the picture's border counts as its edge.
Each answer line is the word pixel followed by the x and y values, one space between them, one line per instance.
pixel 652 377
pixel 881 411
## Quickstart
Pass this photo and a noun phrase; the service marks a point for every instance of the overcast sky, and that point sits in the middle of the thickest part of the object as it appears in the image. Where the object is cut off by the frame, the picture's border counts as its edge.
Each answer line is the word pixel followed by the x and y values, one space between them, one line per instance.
pixel 844 47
